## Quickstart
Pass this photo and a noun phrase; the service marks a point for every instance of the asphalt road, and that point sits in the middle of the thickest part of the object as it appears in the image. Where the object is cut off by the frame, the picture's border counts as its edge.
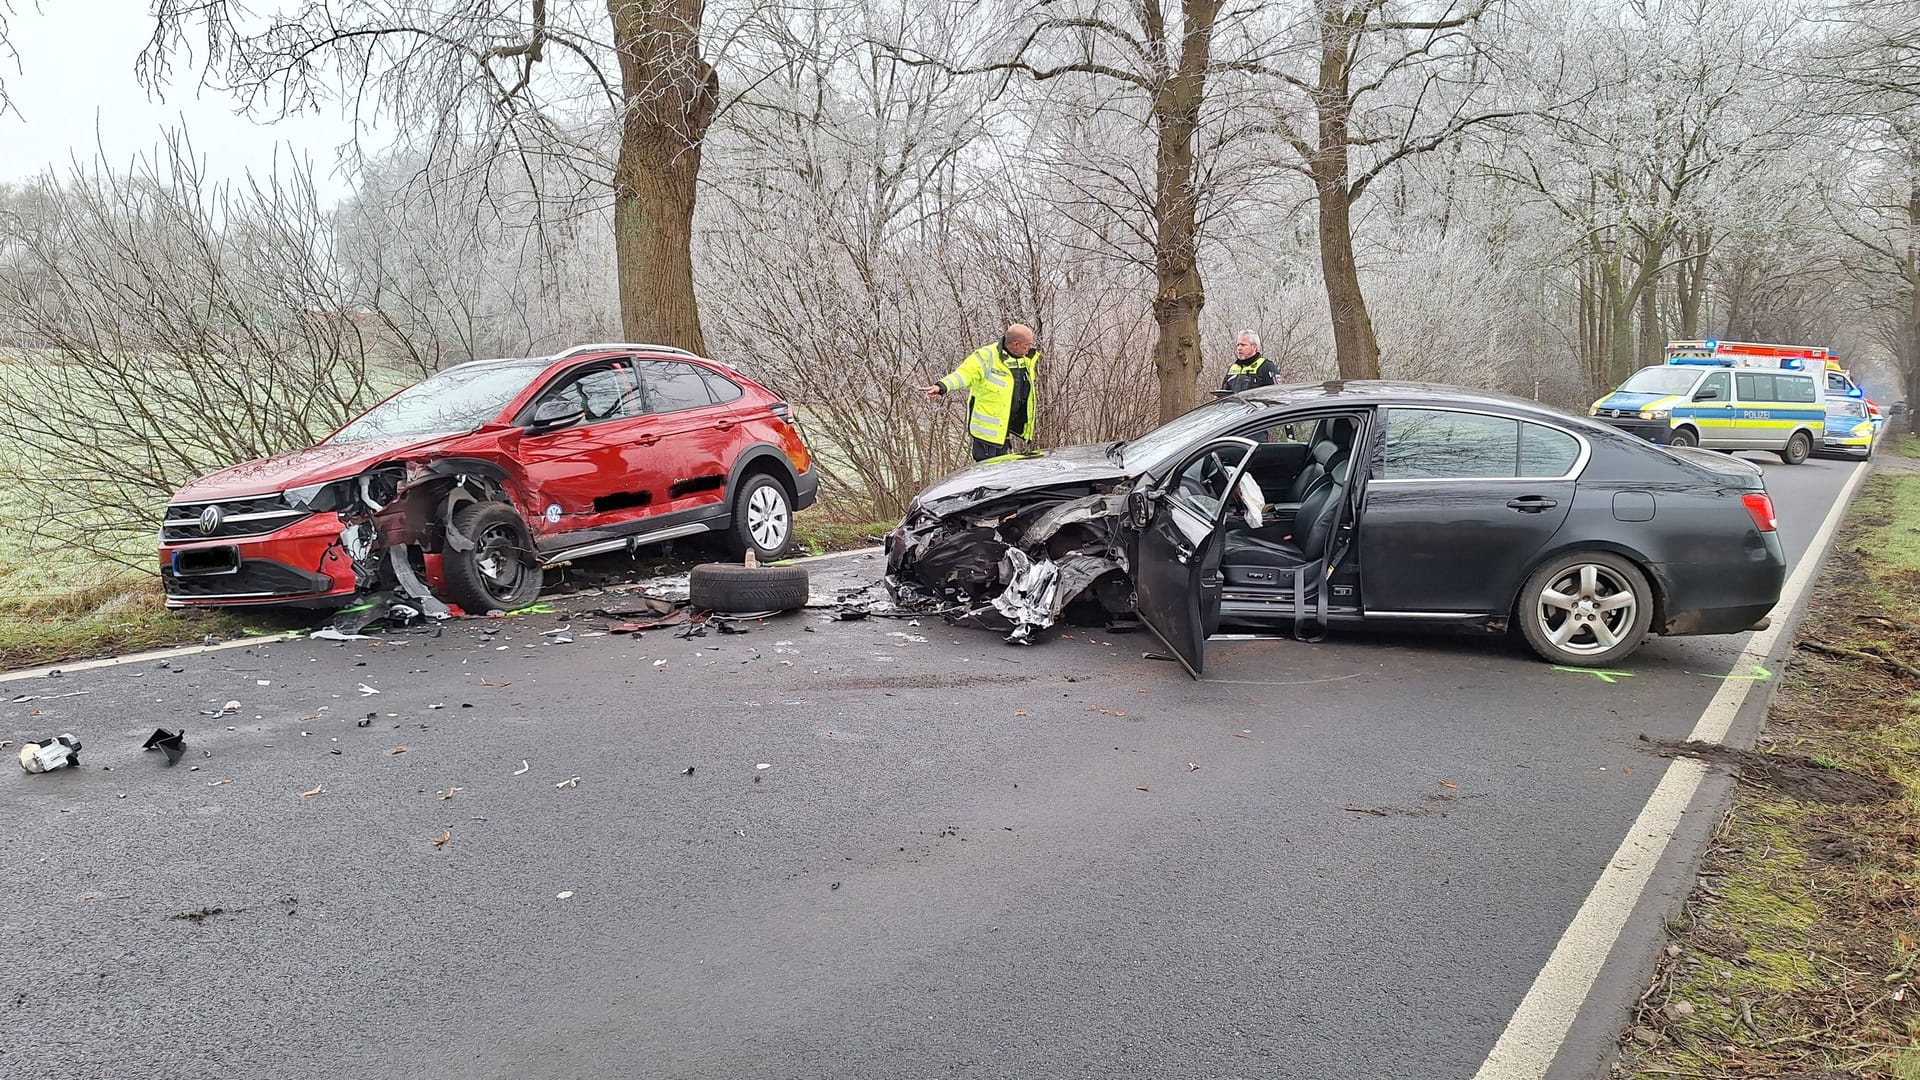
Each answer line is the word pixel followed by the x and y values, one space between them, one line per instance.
pixel 960 859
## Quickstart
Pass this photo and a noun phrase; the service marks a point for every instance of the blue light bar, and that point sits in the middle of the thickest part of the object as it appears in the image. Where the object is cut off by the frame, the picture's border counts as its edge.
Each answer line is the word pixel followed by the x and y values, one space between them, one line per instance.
pixel 1856 392
pixel 1713 343
pixel 1792 364
pixel 1700 361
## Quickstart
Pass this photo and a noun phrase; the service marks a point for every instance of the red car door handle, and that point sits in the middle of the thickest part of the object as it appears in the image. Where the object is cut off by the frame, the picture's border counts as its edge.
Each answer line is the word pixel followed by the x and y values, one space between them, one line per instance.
pixel 646 440
pixel 1531 504
pixel 724 425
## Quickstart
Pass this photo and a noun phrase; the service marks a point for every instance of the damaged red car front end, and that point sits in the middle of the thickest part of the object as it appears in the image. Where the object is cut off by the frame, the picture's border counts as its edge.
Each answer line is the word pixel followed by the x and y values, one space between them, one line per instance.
pixel 261 533
pixel 464 486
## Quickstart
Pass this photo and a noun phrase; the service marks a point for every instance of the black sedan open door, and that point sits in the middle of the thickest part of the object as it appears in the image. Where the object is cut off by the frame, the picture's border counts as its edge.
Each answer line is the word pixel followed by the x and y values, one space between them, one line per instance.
pixel 1175 550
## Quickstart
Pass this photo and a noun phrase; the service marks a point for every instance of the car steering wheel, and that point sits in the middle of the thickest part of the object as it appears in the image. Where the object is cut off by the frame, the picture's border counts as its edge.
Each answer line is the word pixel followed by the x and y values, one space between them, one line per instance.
pixel 1213 474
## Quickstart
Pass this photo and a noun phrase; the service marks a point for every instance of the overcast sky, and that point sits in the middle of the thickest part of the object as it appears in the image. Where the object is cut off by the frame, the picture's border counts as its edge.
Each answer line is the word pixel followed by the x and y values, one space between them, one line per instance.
pixel 76 91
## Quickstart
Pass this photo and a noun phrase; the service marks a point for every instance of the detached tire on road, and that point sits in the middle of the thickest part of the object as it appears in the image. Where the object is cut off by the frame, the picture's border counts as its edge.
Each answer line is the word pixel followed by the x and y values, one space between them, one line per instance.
pixel 1585 609
pixel 502 572
pixel 732 588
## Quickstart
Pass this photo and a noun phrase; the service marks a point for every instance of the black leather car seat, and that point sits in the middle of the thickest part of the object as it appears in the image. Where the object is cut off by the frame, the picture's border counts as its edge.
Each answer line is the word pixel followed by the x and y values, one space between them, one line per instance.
pixel 1335 446
pixel 1311 473
pixel 1313 528
pixel 1250 558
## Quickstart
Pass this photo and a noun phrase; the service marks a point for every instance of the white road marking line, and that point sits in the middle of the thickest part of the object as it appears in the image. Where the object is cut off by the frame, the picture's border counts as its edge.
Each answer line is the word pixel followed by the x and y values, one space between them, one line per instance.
pixel 145 657
pixel 1533 1036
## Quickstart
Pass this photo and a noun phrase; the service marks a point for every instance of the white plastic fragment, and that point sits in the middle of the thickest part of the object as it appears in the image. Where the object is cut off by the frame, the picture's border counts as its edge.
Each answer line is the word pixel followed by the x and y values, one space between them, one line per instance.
pixel 572 781
pixel 367 691
pixel 764 765
pixel 523 767
pixel 562 895
pixel 50 754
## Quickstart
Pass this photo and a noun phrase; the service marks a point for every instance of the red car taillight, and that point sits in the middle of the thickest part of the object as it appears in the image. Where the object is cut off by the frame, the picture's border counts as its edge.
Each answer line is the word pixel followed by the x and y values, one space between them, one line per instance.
pixel 1760 505
pixel 782 410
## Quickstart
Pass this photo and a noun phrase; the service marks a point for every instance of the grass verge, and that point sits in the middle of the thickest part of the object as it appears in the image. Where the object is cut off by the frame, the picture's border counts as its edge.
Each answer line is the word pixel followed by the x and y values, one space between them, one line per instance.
pixel 107 621
pixel 123 615
pixel 1798 952
pixel 818 536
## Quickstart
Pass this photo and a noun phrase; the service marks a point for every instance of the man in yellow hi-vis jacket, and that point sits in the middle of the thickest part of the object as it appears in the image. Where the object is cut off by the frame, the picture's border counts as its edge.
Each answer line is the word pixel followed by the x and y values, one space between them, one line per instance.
pixel 1001 388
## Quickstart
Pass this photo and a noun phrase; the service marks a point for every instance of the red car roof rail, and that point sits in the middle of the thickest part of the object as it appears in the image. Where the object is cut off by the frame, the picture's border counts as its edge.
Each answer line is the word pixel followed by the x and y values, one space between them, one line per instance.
pixel 634 345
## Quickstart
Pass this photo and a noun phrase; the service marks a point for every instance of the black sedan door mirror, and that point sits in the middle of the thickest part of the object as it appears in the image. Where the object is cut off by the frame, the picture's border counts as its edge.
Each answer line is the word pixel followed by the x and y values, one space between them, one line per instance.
pixel 1708 394
pixel 1140 507
pixel 556 413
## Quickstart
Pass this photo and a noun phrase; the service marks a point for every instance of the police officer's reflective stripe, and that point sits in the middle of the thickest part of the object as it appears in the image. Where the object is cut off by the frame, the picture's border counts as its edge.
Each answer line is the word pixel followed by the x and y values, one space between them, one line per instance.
pixel 991 392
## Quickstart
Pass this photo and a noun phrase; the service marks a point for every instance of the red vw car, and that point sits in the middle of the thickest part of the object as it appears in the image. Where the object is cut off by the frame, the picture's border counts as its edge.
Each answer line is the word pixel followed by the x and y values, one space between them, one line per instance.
pixel 468 483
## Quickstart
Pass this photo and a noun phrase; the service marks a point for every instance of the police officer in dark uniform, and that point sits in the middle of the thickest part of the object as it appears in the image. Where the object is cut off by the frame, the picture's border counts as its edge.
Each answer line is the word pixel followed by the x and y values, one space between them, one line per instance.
pixel 1250 369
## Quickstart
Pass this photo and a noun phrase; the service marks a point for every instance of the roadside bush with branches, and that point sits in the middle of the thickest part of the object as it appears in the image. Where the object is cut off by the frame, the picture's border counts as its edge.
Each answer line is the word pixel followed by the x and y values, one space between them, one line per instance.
pixel 156 325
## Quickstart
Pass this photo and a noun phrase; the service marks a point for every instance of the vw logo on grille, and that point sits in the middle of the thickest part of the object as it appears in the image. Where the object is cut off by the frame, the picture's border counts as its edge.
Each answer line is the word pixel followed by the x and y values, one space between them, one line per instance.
pixel 210 520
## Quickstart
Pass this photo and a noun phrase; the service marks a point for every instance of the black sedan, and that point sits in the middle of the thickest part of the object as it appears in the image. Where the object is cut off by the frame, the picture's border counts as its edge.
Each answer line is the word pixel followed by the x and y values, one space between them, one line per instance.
pixel 1349 502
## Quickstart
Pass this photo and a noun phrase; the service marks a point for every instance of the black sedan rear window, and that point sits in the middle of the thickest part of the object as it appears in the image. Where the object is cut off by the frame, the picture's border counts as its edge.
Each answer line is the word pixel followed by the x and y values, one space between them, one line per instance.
pixel 1445 444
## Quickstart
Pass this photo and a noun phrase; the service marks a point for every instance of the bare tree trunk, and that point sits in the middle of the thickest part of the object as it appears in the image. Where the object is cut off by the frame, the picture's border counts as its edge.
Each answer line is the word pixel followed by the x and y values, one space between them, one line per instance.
pixel 1909 351
pixel 1650 336
pixel 1588 315
pixel 1354 345
pixel 1692 291
pixel 1177 358
pixel 1179 293
pixel 1621 362
pixel 669 94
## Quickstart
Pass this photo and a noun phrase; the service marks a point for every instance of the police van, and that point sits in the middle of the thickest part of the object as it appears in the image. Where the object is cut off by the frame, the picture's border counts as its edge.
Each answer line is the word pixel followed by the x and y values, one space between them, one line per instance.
pixel 1851 418
pixel 1722 403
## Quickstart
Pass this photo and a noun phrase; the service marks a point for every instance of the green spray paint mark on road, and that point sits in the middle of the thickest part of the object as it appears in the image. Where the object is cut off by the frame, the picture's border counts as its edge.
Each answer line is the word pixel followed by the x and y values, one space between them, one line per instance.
pixel 1599 673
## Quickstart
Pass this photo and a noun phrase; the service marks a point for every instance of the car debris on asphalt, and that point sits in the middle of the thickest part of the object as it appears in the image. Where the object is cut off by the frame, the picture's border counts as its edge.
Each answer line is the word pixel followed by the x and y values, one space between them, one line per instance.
pixel 46 755
pixel 171 743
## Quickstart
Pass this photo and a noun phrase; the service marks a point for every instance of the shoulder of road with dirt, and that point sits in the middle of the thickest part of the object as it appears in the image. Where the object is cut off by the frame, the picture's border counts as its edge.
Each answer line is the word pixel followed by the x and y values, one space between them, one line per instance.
pixel 1797 954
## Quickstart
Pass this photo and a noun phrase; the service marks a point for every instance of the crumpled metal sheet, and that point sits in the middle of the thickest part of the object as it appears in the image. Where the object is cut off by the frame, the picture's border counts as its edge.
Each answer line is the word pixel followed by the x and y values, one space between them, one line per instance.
pixel 412 586
pixel 1012 566
pixel 1100 507
pixel 1038 591
pixel 1029 600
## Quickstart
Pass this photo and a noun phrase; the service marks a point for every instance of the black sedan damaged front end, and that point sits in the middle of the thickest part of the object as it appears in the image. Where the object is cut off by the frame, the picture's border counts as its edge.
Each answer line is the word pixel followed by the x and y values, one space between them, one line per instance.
pixel 1019 545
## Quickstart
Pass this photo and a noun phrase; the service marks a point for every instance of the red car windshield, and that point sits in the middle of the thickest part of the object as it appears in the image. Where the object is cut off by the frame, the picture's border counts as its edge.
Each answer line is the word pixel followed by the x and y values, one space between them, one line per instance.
pixel 453 401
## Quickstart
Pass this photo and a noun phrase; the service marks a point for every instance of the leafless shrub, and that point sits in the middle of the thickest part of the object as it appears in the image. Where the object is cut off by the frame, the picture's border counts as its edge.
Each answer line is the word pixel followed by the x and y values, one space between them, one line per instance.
pixel 162 324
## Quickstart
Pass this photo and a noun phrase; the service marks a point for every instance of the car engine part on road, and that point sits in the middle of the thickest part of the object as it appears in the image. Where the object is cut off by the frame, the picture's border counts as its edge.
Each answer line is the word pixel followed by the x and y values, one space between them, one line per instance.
pixel 732 588
pixel 60 752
